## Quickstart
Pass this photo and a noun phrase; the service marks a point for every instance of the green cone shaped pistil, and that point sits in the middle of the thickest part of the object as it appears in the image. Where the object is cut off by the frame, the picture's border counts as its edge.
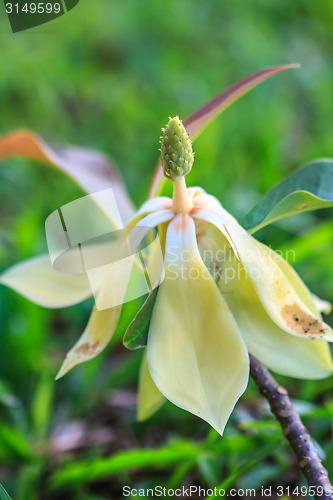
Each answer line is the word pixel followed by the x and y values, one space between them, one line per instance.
pixel 176 150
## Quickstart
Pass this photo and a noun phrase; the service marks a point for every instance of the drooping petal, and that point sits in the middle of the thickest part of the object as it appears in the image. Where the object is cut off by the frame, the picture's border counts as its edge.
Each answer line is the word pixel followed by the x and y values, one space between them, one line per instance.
pixel 36 280
pixel 283 353
pixel 95 338
pixel 103 320
pixel 149 397
pixel 196 355
pixel 281 292
pixel 109 300
pixel 155 205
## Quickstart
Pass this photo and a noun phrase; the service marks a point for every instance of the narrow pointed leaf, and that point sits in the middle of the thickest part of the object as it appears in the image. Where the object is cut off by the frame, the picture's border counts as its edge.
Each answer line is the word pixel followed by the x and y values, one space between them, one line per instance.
pixel 3 494
pixel 309 188
pixel 91 170
pixel 164 457
pixel 137 331
pixel 198 120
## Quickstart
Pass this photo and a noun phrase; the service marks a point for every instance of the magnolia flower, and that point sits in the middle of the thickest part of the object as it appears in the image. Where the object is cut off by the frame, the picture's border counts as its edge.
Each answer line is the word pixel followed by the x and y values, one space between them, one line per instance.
pixel 223 294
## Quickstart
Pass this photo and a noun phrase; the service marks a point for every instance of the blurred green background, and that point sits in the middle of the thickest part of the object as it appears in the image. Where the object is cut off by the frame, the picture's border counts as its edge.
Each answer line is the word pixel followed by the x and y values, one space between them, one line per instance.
pixel 108 75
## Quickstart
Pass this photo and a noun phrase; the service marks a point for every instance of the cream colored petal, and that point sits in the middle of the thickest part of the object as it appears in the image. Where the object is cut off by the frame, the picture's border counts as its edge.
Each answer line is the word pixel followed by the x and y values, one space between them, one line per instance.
pixel 283 353
pixel 160 204
pixel 100 328
pixel 155 205
pixel 282 293
pixel 36 280
pixel 149 397
pixel 196 355
pixel 206 201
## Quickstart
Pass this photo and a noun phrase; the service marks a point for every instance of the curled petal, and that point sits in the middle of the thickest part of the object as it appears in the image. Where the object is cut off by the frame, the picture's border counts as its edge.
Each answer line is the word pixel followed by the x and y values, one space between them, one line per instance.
pixel 155 205
pixel 100 328
pixel 282 293
pixel 154 219
pixel 206 201
pixel 149 397
pixel 97 335
pixel 36 280
pixel 196 355
pixel 283 353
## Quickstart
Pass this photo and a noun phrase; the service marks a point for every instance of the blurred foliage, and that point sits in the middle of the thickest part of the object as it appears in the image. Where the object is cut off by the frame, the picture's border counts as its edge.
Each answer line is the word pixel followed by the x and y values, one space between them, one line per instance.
pixel 107 75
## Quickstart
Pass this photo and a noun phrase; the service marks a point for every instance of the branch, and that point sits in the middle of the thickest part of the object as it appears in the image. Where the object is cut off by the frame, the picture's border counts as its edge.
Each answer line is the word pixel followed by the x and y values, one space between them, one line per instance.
pixel 293 429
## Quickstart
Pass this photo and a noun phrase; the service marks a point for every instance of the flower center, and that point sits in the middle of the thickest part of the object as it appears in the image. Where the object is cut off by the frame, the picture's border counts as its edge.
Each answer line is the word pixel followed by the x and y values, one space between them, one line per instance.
pixel 177 159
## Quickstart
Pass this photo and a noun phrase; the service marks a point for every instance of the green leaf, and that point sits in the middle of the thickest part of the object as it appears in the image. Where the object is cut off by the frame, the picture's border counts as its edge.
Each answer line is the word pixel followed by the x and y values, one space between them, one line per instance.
pixel 197 121
pixel 41 406
pixel 13 445
pixel 174 453
pixel 3 494
pixel 258 455
pixel 309 188
pixel 137 331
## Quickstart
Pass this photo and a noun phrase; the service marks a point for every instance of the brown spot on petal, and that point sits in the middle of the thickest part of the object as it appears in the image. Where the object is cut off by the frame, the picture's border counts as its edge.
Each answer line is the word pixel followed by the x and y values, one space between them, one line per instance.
pixel 87 349
pixel 301 322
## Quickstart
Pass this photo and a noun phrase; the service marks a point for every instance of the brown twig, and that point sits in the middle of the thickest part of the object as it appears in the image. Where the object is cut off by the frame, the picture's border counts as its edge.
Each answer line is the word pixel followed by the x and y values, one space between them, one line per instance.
pixel 294 431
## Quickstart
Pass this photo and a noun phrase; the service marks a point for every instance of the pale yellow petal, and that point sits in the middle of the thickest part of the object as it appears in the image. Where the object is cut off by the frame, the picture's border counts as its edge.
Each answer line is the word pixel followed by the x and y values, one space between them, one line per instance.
pixel 149 397
pixel 97 335
pixel 104 318
pixel 282 293
pixel 196 355
pixel 283 353
pixel 36 280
